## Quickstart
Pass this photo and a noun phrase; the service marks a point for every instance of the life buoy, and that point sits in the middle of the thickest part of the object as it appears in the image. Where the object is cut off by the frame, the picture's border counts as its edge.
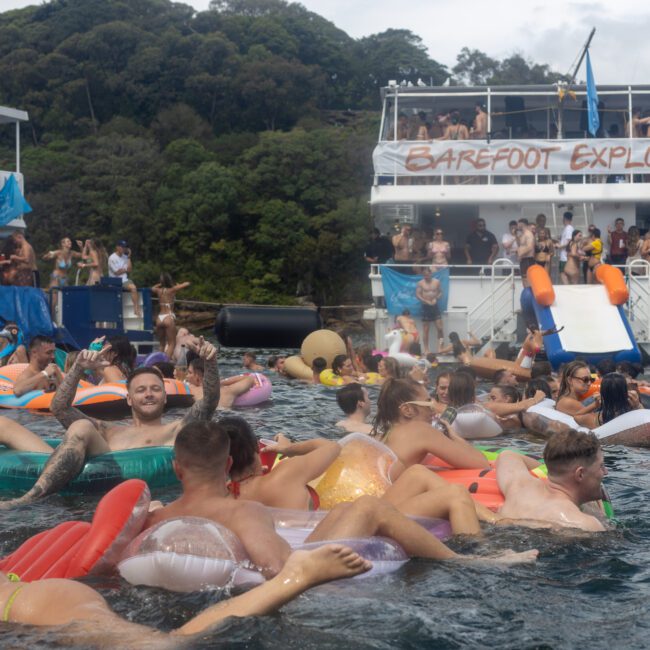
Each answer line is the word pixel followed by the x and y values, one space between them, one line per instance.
pixel 76 548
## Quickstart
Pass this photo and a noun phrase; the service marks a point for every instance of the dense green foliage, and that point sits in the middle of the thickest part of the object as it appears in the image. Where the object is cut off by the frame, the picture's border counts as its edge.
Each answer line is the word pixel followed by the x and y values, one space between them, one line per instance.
pixel 231 147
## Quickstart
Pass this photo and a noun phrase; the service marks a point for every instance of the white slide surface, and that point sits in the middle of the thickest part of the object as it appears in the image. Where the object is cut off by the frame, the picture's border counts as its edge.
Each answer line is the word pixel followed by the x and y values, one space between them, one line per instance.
pixel 591 323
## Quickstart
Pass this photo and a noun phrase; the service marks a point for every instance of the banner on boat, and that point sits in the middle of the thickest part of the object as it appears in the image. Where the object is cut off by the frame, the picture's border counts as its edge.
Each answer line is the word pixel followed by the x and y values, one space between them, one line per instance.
pixel 512 157
pixel 399 291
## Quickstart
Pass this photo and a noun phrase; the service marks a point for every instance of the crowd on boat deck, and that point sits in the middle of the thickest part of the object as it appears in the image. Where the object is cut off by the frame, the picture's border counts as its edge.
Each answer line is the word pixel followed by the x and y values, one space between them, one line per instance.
pixel 578 253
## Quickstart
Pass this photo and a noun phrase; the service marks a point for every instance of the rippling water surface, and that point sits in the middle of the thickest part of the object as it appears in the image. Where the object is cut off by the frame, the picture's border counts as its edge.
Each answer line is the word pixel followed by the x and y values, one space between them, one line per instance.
pixel 590 591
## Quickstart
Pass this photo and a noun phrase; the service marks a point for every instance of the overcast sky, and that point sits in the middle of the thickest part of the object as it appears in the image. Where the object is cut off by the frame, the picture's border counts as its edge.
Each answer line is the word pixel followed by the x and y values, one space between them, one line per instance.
pixel 551 31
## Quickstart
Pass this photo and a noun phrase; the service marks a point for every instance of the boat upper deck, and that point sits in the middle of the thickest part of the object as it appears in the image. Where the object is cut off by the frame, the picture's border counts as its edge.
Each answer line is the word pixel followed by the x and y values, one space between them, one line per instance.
pixel 509 144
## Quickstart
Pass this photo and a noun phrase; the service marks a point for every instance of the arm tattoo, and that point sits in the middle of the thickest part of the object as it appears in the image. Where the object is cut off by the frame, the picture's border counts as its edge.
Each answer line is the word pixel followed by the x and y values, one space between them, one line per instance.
pixel 205 408
pixel 61 406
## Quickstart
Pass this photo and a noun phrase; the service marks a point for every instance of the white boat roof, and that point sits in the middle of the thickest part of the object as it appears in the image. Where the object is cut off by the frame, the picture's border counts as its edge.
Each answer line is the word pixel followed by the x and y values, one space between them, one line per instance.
pixel 8 115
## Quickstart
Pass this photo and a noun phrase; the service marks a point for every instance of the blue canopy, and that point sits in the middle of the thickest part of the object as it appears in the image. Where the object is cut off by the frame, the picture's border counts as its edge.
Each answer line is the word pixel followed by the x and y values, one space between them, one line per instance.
pixel 12 202
pixel 28 308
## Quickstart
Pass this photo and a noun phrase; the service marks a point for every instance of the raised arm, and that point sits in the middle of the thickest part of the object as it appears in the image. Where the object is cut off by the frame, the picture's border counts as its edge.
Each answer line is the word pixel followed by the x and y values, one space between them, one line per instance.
pixel 502 408
pixel 204 409
pixel 452 448
pixel 61 406
pixel 310 458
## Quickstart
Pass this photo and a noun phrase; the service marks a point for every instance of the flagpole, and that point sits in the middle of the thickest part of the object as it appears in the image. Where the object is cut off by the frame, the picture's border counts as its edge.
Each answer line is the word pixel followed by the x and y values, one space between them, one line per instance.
pixel 560 121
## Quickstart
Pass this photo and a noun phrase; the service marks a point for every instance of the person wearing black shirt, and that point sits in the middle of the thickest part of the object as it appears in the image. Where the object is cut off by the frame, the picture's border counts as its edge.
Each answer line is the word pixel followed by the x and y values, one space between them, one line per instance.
pixel 379 249
pixel 481 246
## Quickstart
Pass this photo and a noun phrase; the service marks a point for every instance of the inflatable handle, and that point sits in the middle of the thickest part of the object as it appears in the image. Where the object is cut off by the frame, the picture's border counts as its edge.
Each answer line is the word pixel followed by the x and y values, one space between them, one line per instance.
pixel 614 282
pixel 541 285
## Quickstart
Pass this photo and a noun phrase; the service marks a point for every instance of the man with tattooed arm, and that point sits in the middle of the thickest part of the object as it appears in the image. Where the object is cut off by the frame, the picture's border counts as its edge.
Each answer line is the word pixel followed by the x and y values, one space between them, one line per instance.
pixel 86 437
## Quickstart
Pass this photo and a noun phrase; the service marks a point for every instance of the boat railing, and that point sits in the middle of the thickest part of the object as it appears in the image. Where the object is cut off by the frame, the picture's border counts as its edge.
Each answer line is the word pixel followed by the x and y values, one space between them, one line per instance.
pixel 489 317
pixel 637 275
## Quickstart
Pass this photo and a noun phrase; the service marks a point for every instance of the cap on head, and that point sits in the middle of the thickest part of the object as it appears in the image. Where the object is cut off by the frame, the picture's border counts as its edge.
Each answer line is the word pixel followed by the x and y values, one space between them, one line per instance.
pixel 122 243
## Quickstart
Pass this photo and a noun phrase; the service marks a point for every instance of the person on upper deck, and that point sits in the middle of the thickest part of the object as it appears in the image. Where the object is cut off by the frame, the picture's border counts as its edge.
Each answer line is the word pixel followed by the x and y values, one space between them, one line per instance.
pixel 403 245
pixel 23 262
pixel 379 249
pixel 479 128
pixel 617 240
pixel 565 238
pixel 119 266
pixel 94 259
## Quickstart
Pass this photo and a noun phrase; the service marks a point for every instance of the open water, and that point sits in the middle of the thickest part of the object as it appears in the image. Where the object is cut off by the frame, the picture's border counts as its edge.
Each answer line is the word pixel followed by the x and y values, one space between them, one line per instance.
pixel 591 592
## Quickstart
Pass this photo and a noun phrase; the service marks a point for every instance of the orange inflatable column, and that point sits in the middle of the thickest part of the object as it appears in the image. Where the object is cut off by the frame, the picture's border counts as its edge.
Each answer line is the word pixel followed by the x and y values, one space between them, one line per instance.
pixel 541 285
pixel 614 282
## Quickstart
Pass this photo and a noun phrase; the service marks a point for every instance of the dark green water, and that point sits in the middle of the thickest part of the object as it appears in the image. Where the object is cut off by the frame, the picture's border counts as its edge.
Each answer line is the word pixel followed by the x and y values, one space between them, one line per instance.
pixel 591 592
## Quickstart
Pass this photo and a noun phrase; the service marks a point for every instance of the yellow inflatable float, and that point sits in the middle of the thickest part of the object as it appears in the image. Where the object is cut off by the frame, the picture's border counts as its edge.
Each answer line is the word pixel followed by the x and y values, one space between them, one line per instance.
pixel 321 343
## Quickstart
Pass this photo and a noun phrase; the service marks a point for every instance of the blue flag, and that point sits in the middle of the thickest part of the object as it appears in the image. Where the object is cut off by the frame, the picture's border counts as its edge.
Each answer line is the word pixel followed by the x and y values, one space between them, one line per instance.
pixel 12 202
pixel 399 291
pixel 592 100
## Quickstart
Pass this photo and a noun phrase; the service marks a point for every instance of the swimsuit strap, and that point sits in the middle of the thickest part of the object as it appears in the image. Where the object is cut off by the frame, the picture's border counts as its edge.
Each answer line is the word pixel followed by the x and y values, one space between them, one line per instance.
pixel 10 601
pixel 314 503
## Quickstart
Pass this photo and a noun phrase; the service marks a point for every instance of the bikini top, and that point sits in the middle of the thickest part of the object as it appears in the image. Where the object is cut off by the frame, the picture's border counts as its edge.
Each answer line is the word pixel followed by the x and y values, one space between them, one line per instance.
pixel 63 265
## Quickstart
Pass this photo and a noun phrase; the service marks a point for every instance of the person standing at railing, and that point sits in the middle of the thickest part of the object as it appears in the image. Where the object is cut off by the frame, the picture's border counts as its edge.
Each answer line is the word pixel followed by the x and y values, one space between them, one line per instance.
pixel 379 249
pixel 525 248
pixel 439 250
pixel 544 249
pixel 565 239
pixel 617 240
pixel 634 244
pixel 403 245
pixel 428 291
pixel 481 246
pixel 509 242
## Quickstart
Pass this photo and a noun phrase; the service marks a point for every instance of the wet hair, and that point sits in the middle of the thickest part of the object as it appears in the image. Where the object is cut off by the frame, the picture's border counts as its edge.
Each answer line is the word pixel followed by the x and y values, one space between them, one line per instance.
pixel 462 389
pixel 470 372
pixel 338 362
pixel 628 368
pixel 319 364
pixel 605 366
pixel 614 396
pixel 566 447
pixel 348 397
pixel 166 368
pixel 272 361
pixel 567 372
pixel 535 385
pixel 249 355
pixel 123 353
pixel 143 370
pixel 40 339
pixel 243 442
pixel 540 369
pixel 203 447
pixel 364 353
pixel 198 365
pixel 392 367
pixel 393 394
pixel 456 344
pixel 510 392
pixel 499 375
pixel 166 280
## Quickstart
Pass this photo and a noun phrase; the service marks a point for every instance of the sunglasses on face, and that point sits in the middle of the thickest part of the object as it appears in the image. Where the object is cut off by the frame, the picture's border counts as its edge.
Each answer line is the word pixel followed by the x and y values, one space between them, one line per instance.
pixel 585 380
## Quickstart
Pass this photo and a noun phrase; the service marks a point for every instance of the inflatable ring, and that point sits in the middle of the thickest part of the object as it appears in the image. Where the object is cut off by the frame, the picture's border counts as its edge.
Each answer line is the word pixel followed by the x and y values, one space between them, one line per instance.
pixel 329 378
pixel 474 422
pixel 76 548
pixel 256 394
pixel 19 470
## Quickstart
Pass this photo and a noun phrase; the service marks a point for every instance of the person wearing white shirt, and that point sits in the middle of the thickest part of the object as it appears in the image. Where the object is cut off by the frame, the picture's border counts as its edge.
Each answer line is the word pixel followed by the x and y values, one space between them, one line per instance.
pixel 509 243
pixel 565 239
pixel 119 266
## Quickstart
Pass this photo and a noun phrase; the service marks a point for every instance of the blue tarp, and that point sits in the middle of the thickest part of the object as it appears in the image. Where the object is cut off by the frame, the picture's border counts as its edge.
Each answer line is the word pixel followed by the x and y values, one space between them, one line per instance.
pixel 399 291
pixel 12 202
pixel 27 307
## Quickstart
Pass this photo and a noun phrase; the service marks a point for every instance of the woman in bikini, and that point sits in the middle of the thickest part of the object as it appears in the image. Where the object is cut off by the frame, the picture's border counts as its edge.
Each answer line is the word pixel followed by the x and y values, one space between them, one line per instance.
pixel 166 291
pixel 615 398
pixel 417 491
pixel 543 249
pixel 62 262
pixel 575 382
pixel 94 259
pixel 439 251
pixel 574 255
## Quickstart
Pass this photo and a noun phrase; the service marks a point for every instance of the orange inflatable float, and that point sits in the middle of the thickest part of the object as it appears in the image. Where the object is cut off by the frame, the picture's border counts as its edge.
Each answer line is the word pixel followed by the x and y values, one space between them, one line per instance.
pixel 76 548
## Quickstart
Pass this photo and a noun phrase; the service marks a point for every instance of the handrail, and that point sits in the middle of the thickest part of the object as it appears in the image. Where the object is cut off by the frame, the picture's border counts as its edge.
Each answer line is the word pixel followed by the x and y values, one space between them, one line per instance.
pixel 639 285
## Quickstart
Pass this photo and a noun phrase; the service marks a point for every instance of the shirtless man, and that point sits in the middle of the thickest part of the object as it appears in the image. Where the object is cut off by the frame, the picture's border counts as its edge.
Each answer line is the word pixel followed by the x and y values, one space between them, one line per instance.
pixel 41 373
pixel 428 292
pixel 85 614
pixel 86 437
pixel 479 128
pixel 525 249
pixel 353 400
pixel 250 363
pixel 25 258
pixel 230 389
pixel 202 464
pixel 575 473
pixel 403 244
pixel 405 321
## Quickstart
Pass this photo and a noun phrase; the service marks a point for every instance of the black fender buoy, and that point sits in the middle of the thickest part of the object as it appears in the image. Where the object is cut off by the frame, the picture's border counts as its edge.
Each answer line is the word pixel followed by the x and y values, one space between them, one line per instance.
pixel 265 327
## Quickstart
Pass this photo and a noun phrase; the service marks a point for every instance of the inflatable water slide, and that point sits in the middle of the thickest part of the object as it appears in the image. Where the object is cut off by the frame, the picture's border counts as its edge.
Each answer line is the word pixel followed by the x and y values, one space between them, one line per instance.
pixel 590 318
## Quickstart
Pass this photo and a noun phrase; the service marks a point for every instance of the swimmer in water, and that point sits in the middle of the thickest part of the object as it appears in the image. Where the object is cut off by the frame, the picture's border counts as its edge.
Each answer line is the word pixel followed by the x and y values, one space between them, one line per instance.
pixel 202 464
pixel 87 437
pixel 87 618
pixel 230 388
pixel 41 373
pixel 353 400
pixel 575 472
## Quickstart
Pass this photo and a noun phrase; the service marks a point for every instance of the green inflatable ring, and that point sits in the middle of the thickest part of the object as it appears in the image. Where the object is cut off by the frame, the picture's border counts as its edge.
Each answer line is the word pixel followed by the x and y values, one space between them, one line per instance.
pixel 20 469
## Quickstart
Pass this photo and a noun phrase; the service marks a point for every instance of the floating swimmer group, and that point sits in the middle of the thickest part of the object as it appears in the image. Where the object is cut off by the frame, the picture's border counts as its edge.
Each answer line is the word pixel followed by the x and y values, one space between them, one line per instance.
pixel 282 516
